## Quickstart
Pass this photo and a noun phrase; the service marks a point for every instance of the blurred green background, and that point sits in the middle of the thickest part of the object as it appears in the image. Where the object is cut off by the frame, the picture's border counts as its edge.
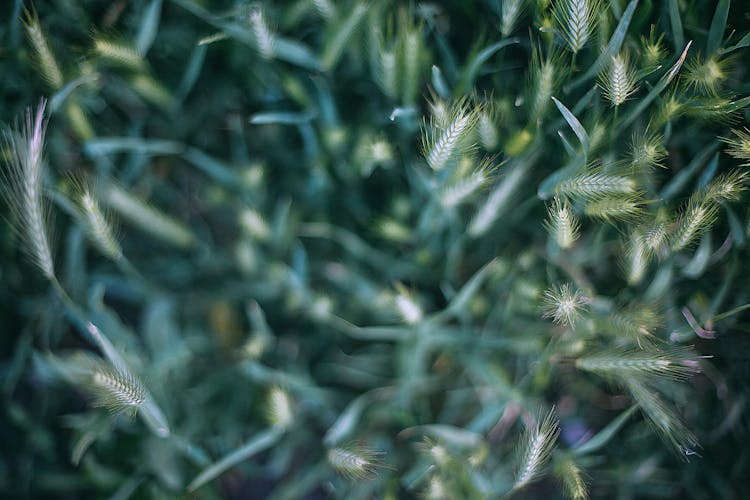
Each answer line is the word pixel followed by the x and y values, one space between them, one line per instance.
pixel 263 163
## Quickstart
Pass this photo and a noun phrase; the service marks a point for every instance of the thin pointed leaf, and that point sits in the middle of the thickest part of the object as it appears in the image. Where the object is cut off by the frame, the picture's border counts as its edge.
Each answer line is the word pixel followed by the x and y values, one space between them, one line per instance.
pixel 578 129
pixel 149 27
pixel 605 435
pixel 260 442
pixel 280 118
pixel 658 88
pixel 718 25
pixel 460 302
pixel 682 177
pixel 744 42
pixel 467 80
pixel 676 24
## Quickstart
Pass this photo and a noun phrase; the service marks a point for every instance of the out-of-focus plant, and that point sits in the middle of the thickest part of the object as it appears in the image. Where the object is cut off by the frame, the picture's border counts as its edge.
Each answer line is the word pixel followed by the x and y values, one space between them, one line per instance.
pixel 365 249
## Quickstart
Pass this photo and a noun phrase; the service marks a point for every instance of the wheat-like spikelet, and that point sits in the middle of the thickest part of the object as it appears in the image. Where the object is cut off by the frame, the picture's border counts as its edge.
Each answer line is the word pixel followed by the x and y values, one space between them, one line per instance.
pixel 96 222
pixel 677 363
pixel 412 50
pixel 45 58
pixel 614 208
pixel 637 258
pixel 576 21
pixel 665 421
pixel 118 53
pixel 467 184
pixel 99 228
pixel 445 138
pixel 265 41
pixel 487 129
pixel 656 238
pixel 355 460
pixel 727 187
pixel 647 150
pixel 387 74
pixel 595 185
pixel 436 489
pixel 511 12
pixel 562 223
pixel 537 445
pixel 151 89
pixel 652 48
pixel 695 220
pixel 23 188
pixel 635 322
pixel 706 75
pixel 572 478
pixel 279 408
pixel 544 78
pixel 407 306
pixel 563 305
pixel 618 80
pixel 115 389
pixel 739 145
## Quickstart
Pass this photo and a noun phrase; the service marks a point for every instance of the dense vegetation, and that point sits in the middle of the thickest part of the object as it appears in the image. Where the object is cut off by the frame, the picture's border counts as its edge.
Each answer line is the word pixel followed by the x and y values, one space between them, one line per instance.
pixel 370 249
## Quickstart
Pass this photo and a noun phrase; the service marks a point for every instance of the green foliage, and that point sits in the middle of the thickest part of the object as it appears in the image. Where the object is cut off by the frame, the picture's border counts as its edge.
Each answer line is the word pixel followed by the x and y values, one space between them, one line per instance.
pixel 365 249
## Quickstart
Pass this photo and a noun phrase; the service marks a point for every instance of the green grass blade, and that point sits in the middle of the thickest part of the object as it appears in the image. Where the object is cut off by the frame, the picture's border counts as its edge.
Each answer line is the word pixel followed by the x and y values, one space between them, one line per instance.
pixel 149 27
pixel 744 42
pixel 676 24
pixel 718 24
pixel 467 79
pixel 578 129
pixel 658 89
pixel 260 442
pixel 605 435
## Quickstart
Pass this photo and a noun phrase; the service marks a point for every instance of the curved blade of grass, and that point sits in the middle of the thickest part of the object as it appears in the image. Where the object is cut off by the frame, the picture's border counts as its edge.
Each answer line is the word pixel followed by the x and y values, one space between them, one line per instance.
pixel 339 41
pixel 578 129
pixel 280 118
pixel 467 79
pixel 216 169
pixel 613 48
pixel 566 144
pixel 347 421
pixel 439 83
pixel 697 265
pixel 737 105
pixel 744 42
pixel 294 52
pixel 605 435
pixel 708 173
pixel 192 71
pixel 260 442
pixel 149 27
pixel 457 437
pixel 465 294
pixel 718 25
pixel 658 88
pixel 499 200
pixel 676 24
pixel 678 182
pixel 59 97
pixel 102 146
pixel 147 218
